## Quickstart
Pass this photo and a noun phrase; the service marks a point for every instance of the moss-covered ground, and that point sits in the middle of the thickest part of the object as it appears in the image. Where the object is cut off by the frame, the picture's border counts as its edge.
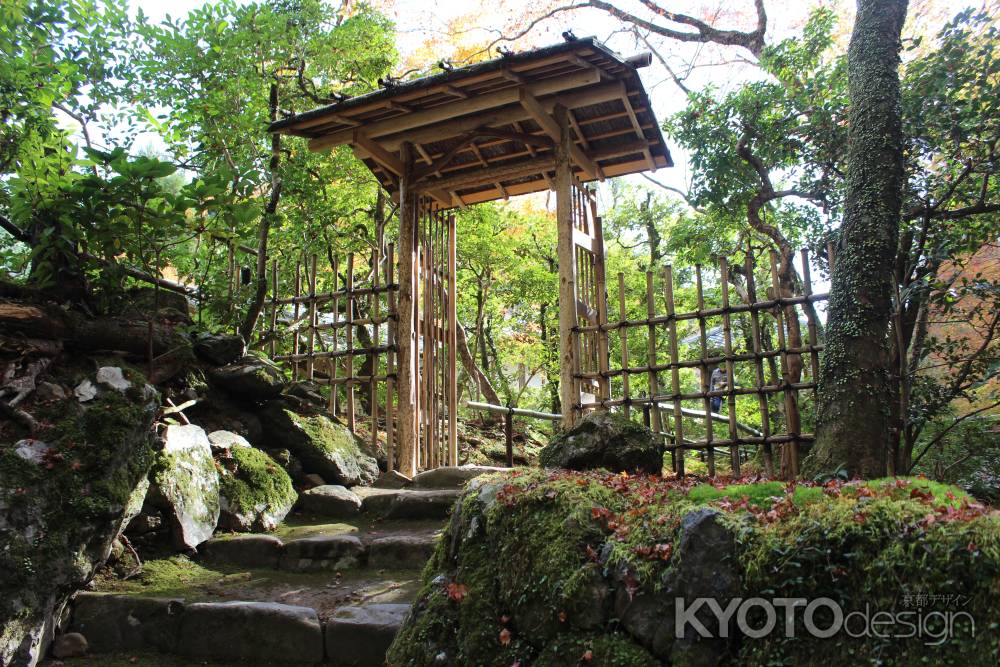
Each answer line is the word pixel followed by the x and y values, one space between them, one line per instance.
pixel 522 579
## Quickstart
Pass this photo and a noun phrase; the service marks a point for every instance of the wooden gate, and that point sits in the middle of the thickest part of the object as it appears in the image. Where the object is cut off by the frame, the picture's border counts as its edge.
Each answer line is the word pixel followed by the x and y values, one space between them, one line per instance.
pixel 435 322
pixel 591 298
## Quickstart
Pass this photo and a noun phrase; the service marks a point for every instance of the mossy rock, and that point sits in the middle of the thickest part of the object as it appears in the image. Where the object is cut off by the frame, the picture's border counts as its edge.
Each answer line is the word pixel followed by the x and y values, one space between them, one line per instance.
pixel 186 485
pixel 255 491
pixel 529 556
pixel 322 445
pixel 605 440
pixel 60 516
pixel 251 377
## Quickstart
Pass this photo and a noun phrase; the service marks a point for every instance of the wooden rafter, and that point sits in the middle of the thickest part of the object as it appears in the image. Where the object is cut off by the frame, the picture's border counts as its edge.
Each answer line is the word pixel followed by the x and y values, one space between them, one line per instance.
pixel 636 125
pixel 538 113
pixel 383 157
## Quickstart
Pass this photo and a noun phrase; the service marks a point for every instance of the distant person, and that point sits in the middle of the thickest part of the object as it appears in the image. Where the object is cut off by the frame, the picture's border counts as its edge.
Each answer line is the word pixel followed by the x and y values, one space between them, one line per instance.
pixel 717 383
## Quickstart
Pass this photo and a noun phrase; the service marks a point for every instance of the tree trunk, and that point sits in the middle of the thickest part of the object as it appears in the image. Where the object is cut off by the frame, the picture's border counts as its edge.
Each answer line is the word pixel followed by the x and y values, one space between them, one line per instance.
pixel 855 387
pixel 260 292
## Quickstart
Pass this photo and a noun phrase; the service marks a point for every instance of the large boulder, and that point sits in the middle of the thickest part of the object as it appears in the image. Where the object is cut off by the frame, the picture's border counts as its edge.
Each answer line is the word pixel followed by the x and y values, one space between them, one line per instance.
pixel 251 377
pixel 186 485
pixel 255 492
pixel 322 445
pixel 220 349
pixel 61 511
pixel 602 568
pixel 605 440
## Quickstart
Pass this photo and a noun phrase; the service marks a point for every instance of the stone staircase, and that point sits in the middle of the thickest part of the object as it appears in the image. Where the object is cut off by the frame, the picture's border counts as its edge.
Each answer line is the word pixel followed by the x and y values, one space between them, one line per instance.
pixel 330 590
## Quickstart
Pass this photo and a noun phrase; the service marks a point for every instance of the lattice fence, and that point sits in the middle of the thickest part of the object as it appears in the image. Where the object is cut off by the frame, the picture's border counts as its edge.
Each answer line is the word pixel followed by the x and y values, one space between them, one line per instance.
pixel 335 328
pixel 755 339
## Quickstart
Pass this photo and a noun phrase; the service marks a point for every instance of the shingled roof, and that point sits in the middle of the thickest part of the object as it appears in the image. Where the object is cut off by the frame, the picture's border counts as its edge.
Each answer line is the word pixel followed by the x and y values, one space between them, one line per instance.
pixel 485 132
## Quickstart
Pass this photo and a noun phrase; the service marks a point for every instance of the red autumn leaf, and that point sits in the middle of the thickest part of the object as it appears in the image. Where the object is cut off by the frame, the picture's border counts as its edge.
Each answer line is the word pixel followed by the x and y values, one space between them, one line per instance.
pixel 505 637
pixel 664 551
pixel 972 548
pixel 923 496
pixel 591 554
pixel 860 518
pixel 587 656
pixel 865 492
pixel 457 592
pixel 505 619
pixel 134 659
pixel 562 616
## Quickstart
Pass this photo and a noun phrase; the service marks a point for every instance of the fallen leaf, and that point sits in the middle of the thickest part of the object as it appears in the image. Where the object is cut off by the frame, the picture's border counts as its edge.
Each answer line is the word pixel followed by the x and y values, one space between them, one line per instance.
pixel 505 637
pixel 457 591
pixel 587 656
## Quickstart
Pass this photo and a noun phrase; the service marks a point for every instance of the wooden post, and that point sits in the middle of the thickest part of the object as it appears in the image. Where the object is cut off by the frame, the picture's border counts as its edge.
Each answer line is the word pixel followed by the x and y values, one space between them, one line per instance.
pixel 765 415
pixel 508 430
pixel 654 385
pixel 349 345
pixel 390 363
pixel 600 280
pixel 727 334
pixel 792 421
pixel 406 341
pixel 374 313
pixel 675 377
pixel 623 331
pixel 452 343
pixel 310 371
pixel 568 398
pixel 706 380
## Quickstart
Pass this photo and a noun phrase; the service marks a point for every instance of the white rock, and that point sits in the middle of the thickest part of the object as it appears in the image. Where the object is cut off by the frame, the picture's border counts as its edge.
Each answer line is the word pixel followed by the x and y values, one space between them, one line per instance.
pixel 85 391
pixel 222 440
pixel 31 450
pixel 112 377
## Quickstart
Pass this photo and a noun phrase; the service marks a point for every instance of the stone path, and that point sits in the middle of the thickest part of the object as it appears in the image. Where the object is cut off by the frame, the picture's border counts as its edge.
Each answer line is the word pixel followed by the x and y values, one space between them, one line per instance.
pixel 321 590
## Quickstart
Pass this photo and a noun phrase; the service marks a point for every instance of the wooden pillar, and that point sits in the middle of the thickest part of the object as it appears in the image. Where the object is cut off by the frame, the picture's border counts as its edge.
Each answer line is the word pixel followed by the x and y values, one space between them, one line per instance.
pixel 406 335
pixel 568 396
pixel 452 332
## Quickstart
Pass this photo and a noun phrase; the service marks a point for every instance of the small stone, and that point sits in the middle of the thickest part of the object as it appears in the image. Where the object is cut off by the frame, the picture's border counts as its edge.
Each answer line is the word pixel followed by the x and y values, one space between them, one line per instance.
pixel 112 377
pixel 392 479
pixel 69 645
pixel 50 391
pixel 85 391
pixel 220 349
pixel 313 479
pixel 32 450
pixel 250 377
pixel 223 440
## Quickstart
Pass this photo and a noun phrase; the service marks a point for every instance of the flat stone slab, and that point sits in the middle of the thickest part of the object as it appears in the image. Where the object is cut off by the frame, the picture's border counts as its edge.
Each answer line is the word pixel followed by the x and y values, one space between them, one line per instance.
pixel 251 551
pixel 450 477
pixel 322 552
pixel 124 623
pixel 331 500
pixel 360 636
pixel 408 503
pixel 401 551
pixel 257 632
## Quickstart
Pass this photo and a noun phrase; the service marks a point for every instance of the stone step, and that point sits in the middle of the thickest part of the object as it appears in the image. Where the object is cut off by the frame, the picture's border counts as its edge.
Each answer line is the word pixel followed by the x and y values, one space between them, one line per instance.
pixel 338 502
pixel 239 631
pixel 407 503
pixel 396 550
pixel 450 477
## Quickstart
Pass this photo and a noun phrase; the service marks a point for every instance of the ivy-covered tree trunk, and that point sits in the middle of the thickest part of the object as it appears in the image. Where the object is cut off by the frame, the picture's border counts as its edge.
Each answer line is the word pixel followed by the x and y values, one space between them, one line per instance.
pixel 855 388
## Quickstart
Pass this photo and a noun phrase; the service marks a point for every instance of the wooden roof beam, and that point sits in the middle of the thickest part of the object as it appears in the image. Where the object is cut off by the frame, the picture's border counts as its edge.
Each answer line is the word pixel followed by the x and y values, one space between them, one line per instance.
pixel 445 112
pixel 637 126
pixel 502 116
pixel 384 158
pixel 540 116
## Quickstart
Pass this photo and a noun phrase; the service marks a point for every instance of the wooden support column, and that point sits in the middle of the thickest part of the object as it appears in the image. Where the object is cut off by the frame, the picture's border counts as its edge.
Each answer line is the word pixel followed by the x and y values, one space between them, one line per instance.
pixel 452 332
pixel 406 335
pixel 568 396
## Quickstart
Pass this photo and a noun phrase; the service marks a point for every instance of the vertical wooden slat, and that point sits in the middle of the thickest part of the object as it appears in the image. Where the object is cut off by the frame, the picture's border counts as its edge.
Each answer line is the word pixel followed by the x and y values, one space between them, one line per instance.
pixel 332 369
pixel 622 316
pixel 452 343
pixel 274 308
pixel 810 313
pixel 390 364
pixel 765 416
pixel 705 379
pixel 349 343
pixel 310 371
pixel 675 376
pixel 727 337
pixel 296 349
pixel 654 386
pixel 374 314
pixel 791 403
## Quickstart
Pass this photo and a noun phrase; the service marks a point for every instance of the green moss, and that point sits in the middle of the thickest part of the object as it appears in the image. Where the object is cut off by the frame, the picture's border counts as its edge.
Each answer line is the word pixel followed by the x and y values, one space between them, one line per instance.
pixel 326 434
pixel 181 472
pixel 533 562
pixel 257 482
pixel 73 499
pixel 612 650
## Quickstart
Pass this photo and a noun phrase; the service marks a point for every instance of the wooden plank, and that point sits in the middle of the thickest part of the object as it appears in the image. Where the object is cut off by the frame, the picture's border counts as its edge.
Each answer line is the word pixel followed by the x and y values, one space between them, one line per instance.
pixel 472 105
pixel 551 127
pixel 567 269
pixel 582 240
